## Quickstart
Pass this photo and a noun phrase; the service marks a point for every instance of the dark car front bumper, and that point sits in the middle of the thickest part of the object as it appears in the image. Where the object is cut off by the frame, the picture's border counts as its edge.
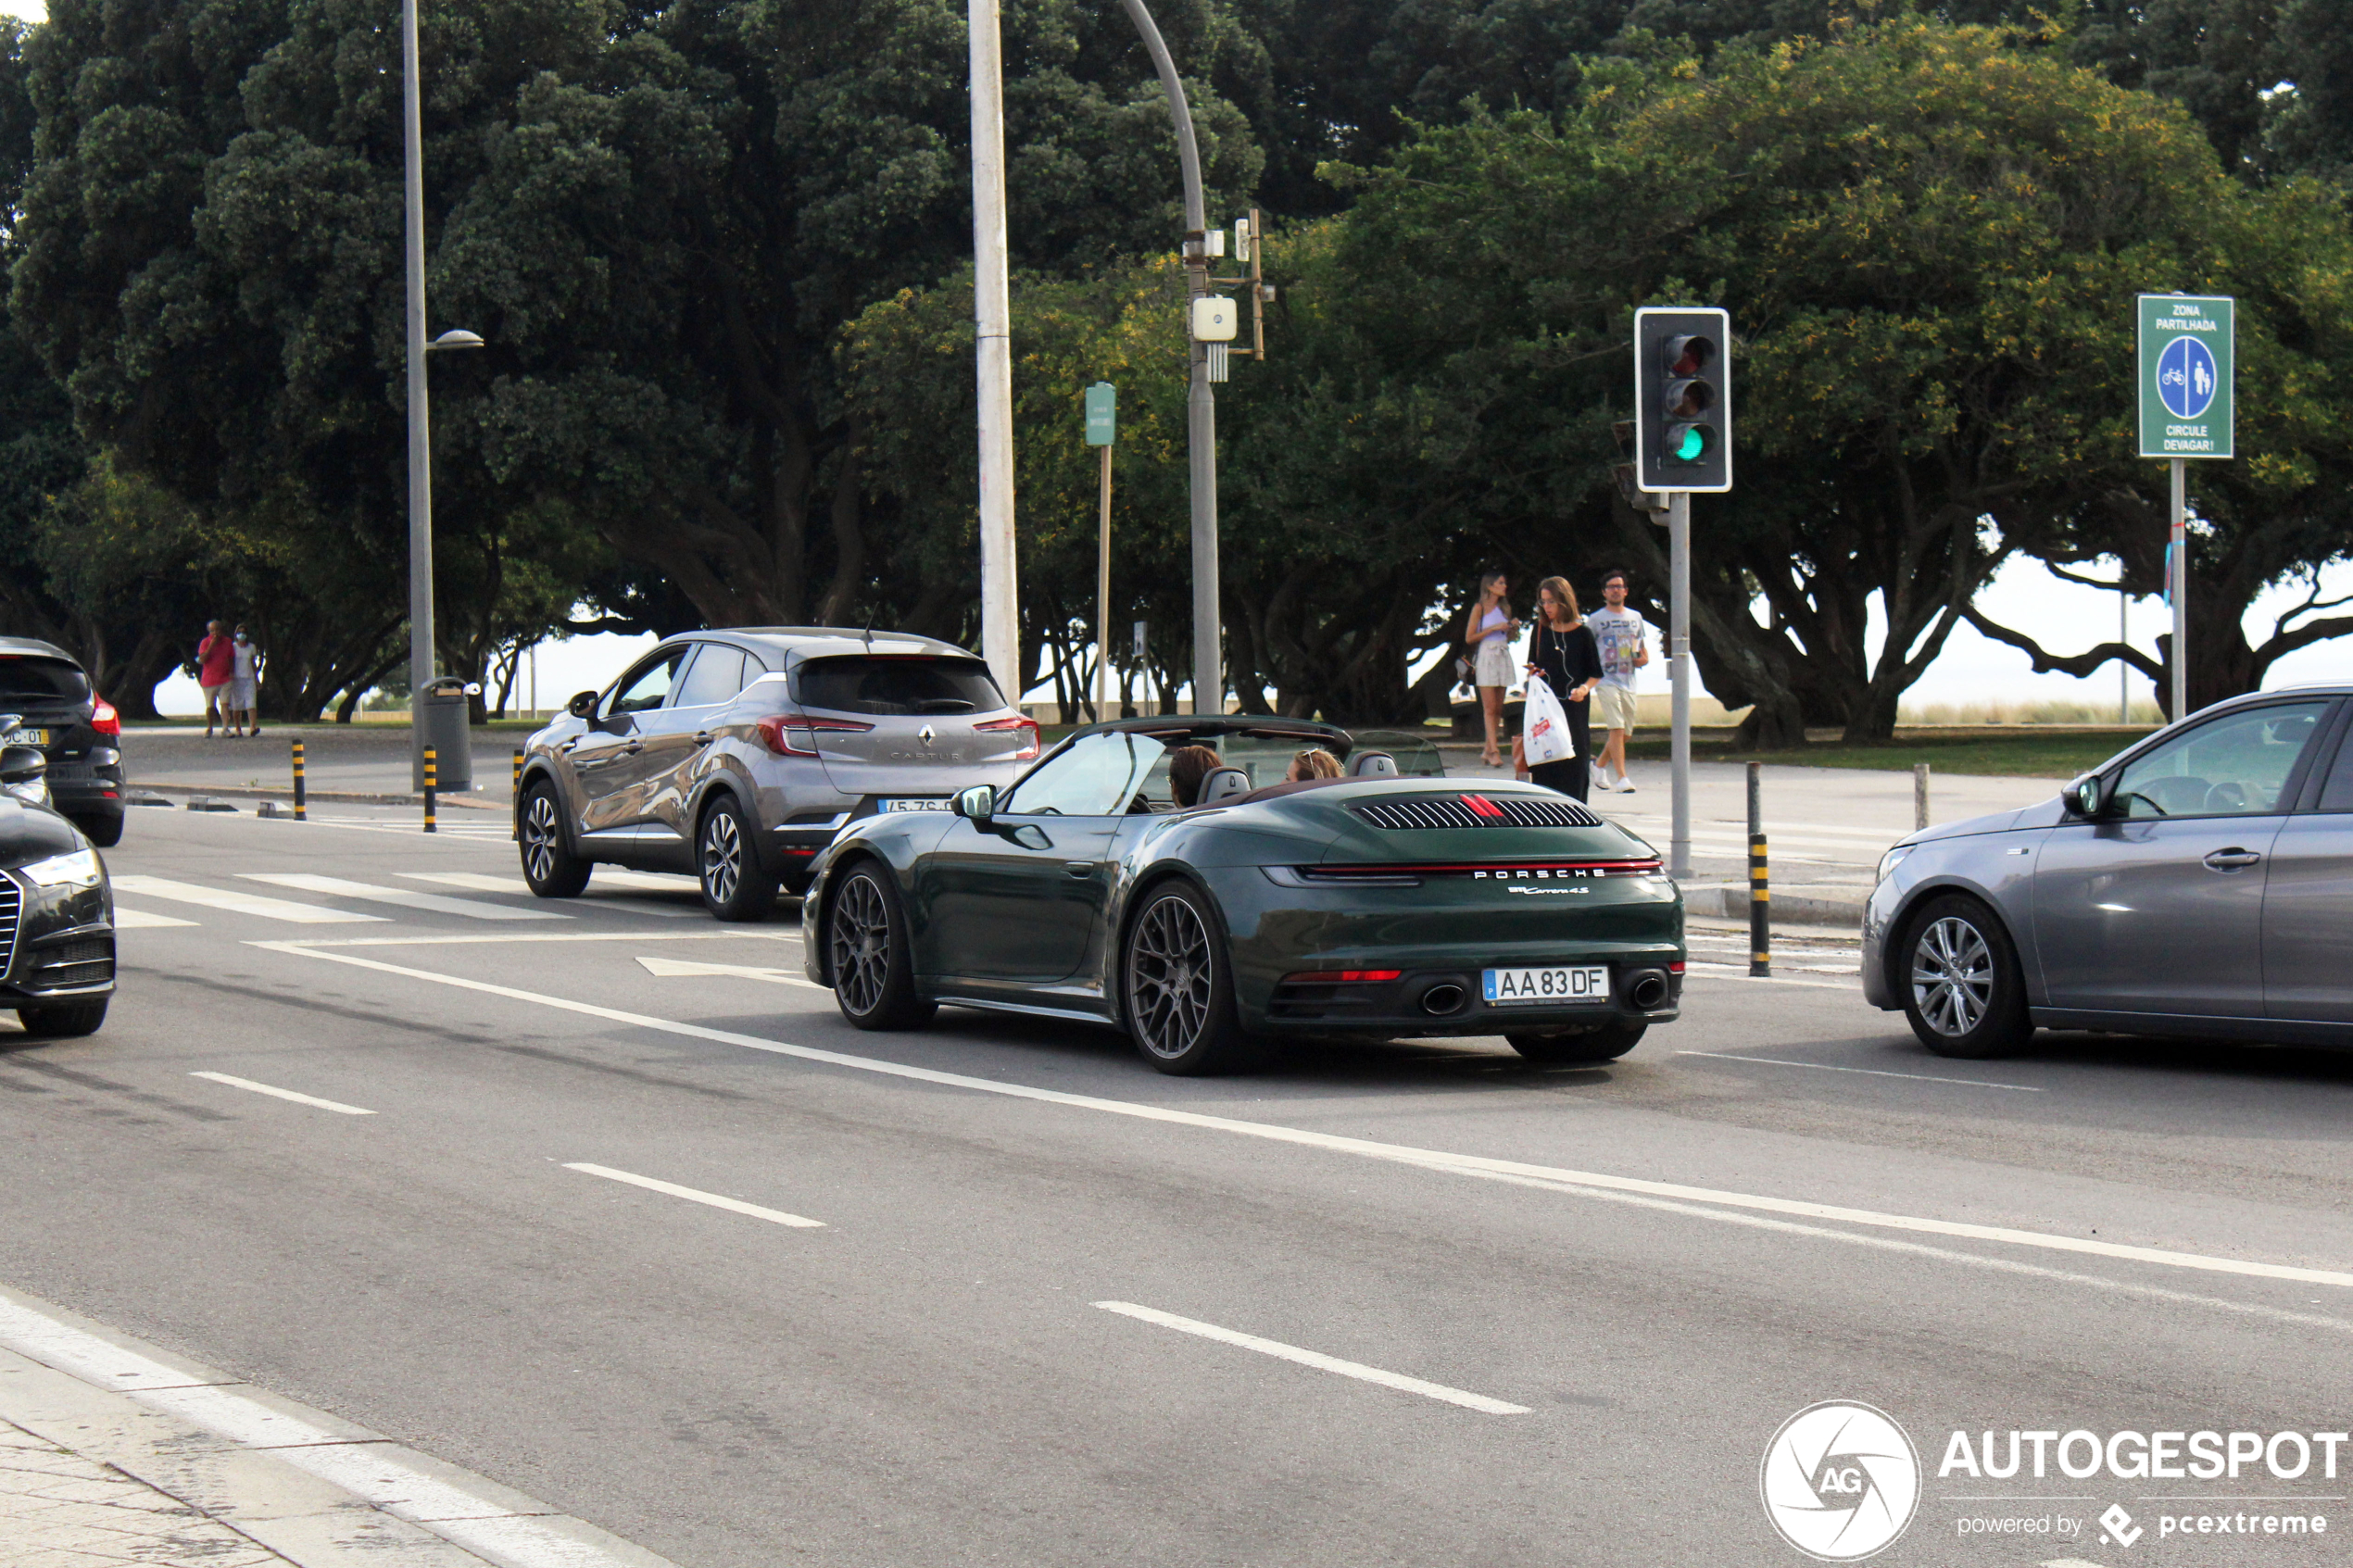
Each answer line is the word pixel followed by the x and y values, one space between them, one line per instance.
pixel 56 945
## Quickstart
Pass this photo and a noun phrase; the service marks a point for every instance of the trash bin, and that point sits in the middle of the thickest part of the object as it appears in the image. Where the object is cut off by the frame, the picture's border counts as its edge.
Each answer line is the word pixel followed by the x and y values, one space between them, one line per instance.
pixel 441 724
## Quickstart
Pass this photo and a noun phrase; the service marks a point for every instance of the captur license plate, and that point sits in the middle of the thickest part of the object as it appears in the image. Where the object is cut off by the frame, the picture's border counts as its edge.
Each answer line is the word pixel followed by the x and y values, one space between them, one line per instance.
pixel 25 737
pixel 929 803
pixel 1535 987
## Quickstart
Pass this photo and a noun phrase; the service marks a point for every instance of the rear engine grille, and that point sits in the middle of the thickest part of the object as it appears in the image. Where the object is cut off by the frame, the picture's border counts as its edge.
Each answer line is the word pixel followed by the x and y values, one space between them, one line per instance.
pixel 11 911
pixel 70 964
pixel 1478 811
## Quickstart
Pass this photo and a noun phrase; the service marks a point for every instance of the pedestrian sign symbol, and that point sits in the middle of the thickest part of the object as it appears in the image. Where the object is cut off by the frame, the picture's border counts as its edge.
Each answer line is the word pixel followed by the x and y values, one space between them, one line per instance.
pixel 2185 378
pixel 2187 353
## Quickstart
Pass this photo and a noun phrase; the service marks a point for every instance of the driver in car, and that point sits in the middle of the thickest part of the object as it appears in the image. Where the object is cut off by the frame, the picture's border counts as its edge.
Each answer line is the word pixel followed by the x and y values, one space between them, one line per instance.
pixel 1187 766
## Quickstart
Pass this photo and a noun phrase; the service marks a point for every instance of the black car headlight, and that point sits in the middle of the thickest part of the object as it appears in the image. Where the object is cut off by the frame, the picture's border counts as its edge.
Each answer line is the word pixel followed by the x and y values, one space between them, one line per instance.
pixel 62 875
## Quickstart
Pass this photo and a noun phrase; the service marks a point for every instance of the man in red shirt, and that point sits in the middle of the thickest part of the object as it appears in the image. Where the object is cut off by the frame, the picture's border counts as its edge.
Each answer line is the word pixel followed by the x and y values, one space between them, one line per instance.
pixel 215 660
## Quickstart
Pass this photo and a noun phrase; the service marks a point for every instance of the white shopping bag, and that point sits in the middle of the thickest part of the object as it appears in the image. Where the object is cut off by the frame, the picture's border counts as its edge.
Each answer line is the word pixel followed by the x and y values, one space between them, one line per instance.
pixel 1545 728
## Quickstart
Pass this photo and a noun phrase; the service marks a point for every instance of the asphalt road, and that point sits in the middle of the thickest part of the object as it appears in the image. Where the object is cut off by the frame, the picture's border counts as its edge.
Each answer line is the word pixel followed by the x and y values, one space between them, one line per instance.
pixel 1605 1289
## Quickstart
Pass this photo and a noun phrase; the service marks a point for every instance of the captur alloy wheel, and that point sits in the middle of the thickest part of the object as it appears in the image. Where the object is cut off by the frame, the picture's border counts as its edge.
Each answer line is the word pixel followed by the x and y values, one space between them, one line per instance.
pixel 552 871
pixel 1953 976
pixel 723 857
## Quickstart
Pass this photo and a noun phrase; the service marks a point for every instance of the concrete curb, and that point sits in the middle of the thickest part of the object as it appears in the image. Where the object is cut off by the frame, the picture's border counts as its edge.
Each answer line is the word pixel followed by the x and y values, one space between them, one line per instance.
pixel 1728 901
pixel 319 1491
pixel 341 796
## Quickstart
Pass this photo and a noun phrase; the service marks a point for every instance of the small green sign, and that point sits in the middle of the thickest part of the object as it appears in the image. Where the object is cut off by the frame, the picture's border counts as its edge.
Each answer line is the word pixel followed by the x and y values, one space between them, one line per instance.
pixel 1103 414
pixel 2188 358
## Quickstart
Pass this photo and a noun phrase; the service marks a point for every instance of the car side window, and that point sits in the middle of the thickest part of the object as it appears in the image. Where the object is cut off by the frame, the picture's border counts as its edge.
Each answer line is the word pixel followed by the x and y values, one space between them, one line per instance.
pixel 1096 777
pixel 716 676
pixel 2337 790
pixel 2233 766
pixel 643 689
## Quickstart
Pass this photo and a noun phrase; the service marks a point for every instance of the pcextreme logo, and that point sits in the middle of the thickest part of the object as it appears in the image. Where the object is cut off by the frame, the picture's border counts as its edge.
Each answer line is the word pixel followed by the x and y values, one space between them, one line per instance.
pixel 1840 1481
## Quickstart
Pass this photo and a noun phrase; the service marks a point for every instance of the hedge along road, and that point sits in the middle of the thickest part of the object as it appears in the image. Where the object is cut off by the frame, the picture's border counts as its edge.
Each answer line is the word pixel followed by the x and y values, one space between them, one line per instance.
pixel 682 1255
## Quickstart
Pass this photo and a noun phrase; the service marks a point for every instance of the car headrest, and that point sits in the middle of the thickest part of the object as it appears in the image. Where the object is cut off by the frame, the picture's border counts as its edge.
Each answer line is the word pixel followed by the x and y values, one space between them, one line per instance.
pixel 1224 784
pixel 1372 765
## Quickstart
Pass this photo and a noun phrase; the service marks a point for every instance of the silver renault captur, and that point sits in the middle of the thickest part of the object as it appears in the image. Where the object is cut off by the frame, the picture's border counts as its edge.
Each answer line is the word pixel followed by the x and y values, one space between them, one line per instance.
pixel 2198 883
pixel 736 755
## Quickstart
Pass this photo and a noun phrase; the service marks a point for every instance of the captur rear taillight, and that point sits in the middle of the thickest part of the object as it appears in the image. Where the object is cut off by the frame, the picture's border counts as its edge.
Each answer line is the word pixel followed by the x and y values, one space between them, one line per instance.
pixel 795 735
pixel 1029 745
pixel 102 717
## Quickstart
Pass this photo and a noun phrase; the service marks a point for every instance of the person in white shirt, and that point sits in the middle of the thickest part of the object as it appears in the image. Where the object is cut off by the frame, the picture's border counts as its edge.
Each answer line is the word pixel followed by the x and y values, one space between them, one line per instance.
pixel 1623 641
pixel 243 697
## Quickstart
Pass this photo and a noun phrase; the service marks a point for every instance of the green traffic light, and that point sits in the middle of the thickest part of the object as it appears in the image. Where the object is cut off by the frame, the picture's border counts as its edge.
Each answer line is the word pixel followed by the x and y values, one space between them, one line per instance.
pixel 1692 445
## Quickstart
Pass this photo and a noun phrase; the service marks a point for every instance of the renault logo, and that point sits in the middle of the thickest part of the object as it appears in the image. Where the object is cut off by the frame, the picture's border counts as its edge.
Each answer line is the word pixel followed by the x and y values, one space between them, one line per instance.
pixel 924 734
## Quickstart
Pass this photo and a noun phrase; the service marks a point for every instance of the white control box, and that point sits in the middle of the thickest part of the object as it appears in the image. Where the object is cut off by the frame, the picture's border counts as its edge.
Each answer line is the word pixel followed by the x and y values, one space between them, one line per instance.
pixel 1215 320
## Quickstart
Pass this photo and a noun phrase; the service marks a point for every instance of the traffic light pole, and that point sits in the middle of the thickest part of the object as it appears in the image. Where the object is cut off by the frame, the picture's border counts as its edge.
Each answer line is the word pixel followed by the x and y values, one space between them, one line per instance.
pixel 1679 669
pixel 2177 588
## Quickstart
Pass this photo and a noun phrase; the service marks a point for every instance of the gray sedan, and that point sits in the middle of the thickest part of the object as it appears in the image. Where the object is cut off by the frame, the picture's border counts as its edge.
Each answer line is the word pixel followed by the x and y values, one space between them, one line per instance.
pixel 2200 883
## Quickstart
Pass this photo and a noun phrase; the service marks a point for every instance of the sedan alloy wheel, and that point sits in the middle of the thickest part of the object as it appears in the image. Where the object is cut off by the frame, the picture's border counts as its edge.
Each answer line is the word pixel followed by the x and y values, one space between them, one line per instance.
pixel 1951 977
pixel 1962 987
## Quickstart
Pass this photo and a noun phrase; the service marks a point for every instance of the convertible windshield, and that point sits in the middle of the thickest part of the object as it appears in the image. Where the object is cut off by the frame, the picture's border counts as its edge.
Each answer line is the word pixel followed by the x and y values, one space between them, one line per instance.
pixel 1098 777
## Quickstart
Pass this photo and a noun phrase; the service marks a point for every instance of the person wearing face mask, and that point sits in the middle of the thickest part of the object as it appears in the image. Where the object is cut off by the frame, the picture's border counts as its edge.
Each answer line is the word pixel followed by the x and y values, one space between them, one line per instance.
pixel 244 681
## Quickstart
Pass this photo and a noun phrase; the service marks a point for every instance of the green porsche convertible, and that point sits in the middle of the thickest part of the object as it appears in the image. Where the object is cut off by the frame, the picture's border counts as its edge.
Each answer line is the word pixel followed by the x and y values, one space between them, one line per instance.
pixel 1117 881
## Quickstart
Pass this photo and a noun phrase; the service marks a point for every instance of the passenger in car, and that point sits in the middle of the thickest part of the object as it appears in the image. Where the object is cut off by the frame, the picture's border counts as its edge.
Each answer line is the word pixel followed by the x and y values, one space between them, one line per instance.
pixel 1312 764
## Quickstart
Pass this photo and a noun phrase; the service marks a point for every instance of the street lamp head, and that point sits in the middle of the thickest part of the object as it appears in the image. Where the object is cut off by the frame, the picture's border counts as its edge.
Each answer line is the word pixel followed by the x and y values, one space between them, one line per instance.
pixel 457 337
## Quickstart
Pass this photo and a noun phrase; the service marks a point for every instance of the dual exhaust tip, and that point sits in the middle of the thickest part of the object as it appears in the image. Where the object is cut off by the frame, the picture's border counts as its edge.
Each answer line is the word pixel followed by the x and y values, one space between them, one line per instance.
pixel 1646 990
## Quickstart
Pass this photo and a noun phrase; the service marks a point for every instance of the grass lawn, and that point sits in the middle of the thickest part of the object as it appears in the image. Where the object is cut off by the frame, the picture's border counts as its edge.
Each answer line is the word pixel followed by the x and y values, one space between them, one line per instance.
pixel 2052 753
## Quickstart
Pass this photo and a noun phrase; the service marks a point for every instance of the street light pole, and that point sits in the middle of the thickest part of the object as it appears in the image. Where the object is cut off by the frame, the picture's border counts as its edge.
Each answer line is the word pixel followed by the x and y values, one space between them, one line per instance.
pixel 420 479
pixel 1201 404
pixel 993 361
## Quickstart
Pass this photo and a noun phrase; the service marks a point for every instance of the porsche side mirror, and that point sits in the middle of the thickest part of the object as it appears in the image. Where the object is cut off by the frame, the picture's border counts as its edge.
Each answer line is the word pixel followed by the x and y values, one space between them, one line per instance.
pixel 2087 797
pixel 22 764
pixel 977 804
pixel 581 706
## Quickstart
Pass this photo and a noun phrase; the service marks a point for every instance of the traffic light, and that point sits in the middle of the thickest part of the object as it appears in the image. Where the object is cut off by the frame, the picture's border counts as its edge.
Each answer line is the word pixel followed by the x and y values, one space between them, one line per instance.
pixel 1683 400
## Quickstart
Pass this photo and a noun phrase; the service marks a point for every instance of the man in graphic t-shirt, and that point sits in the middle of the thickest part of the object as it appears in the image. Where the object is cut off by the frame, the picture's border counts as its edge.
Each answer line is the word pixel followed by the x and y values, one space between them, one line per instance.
pixel 1623 641
pixel 216 662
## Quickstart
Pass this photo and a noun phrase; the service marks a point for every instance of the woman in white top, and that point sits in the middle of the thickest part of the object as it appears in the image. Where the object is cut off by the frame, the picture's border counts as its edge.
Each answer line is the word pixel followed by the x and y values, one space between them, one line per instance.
pixel 1488 632
pixel 243 698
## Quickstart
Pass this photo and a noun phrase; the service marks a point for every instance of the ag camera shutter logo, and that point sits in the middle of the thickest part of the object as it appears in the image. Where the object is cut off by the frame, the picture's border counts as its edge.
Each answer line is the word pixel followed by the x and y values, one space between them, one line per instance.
pixel 1840 1481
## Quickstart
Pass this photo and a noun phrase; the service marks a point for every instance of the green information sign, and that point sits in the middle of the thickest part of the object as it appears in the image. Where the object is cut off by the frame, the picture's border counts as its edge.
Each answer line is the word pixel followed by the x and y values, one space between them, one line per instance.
pixel 2188 356
pixel 1103 414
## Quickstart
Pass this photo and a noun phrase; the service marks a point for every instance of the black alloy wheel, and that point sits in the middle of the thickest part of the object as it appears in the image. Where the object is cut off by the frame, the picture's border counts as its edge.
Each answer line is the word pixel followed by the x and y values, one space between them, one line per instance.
pixel 734 887
pixel 1179 985
pixel 552 871
pixel 1573 1046
pixel 866 945
pixel 62 1020
pixel 1961 984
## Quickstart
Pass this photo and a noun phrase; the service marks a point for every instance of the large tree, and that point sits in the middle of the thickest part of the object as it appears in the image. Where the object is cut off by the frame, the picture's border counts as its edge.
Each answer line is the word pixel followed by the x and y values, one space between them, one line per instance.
pixel 1928 238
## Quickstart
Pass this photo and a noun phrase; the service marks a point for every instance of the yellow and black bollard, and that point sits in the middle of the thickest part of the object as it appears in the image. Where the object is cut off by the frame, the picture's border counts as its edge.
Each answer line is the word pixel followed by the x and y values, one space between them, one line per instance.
pixel 1760 906
pixel 429 790
pixel 518 795
pixel 299 813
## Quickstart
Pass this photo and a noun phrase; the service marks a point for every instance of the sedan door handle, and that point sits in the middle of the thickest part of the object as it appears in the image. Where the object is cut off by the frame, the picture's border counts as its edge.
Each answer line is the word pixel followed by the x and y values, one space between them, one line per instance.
pixel 704 737
pixel 2231 859
pixel 565 749
pixel 1081 869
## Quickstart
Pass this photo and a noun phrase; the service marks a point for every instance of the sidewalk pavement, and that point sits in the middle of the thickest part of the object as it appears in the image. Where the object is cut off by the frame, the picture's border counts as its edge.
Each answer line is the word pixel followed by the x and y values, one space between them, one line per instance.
pixel 115 1452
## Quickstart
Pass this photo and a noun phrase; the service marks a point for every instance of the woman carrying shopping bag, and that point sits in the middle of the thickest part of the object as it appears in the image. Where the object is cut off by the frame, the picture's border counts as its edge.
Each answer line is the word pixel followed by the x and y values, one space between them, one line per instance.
pixel 1564 659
